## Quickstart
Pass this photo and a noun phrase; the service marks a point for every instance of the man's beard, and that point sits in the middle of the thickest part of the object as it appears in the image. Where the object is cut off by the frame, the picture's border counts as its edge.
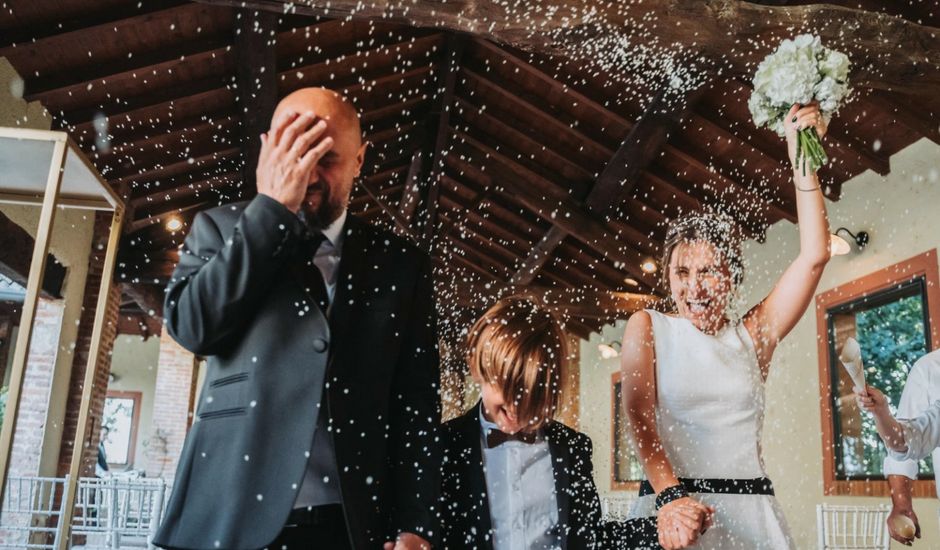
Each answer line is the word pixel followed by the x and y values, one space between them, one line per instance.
pixel 324 214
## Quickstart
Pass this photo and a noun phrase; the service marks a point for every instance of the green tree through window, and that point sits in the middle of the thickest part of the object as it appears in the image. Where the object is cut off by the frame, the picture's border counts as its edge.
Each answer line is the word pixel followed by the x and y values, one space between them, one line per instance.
pixel 892 330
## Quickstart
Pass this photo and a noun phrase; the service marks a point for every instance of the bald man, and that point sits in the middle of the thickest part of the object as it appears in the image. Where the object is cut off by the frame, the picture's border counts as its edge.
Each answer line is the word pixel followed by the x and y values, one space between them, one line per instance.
pixel 317 422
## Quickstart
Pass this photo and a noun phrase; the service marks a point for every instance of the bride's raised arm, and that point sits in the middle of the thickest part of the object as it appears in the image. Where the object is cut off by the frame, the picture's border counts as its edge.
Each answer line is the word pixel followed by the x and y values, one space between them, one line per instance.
pixel 775 316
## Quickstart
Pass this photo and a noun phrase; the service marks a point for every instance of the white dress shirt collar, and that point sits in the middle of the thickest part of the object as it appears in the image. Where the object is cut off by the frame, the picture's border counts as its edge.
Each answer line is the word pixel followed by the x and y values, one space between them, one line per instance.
pixel 486 424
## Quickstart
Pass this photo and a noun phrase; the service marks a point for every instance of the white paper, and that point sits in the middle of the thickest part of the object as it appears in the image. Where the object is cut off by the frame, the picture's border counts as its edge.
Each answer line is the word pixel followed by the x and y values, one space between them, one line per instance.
pixel 851 358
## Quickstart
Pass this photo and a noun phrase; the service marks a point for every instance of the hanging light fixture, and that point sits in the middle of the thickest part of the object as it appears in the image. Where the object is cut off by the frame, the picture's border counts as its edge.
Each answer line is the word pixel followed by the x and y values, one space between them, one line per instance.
pixel 609 351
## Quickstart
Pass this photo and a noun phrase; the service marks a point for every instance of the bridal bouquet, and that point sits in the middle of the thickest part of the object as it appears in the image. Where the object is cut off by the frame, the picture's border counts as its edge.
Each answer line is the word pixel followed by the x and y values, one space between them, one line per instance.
pixel 800 71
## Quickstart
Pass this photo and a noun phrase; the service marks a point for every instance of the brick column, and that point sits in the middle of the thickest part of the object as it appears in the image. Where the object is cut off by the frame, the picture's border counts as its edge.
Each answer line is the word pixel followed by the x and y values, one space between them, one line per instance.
pixel 37 386
pixel 173 399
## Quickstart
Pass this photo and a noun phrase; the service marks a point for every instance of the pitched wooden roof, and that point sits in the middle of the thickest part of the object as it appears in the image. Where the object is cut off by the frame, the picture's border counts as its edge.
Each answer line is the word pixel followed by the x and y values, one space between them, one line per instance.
pixel 522 169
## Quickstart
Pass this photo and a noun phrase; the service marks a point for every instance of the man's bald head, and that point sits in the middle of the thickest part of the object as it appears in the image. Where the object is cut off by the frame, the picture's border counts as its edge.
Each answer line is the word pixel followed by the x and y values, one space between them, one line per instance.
pixel 331 106
pixel 332 179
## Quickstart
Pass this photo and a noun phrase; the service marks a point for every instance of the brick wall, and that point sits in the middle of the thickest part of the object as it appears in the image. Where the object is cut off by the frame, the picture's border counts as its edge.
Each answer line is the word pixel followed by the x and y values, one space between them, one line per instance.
pixel 37 385
pixel 173 399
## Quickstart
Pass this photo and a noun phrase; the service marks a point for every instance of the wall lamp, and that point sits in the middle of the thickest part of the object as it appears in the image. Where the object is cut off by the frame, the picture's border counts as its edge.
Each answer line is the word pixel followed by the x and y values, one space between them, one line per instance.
pixel 840 247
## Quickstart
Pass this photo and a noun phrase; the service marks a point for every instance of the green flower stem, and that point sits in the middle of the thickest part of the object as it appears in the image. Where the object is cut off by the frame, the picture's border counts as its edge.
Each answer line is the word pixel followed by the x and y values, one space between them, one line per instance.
pixel 810 150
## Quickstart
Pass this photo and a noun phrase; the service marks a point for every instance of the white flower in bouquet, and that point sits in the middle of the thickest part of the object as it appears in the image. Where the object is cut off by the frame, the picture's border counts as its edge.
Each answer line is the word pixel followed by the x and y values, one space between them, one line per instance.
pixel 800 71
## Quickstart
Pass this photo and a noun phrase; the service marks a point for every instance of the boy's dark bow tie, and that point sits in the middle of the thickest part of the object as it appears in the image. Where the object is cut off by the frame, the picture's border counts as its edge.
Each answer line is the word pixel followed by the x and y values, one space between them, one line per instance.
pixel 495 438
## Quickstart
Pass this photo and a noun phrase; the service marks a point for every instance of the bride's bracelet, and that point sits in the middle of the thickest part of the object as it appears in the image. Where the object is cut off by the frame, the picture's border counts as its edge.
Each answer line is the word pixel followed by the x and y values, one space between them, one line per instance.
pixel 670 494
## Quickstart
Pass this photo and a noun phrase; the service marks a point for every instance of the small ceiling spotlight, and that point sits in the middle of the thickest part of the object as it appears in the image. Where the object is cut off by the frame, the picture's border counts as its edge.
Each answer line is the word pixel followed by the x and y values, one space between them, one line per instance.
pixel 174 224
pixel 631 281
pixel 649 266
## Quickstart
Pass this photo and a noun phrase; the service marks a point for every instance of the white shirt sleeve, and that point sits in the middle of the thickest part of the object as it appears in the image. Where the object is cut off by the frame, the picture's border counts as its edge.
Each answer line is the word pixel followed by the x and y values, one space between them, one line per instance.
pixel 922 435
pixel 915 401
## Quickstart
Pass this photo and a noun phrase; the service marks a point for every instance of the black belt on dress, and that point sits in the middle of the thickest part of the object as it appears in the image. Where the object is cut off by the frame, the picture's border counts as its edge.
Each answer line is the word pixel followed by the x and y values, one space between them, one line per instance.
pixel 757 486
pixel 316 515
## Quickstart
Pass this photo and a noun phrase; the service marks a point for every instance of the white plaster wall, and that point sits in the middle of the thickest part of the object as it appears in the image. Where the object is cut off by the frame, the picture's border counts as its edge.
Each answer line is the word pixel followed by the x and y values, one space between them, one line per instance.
pixel 902 213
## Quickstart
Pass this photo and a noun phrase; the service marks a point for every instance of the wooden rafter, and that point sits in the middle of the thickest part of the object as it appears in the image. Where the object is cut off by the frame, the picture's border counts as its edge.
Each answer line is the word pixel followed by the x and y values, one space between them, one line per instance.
pixel 551 204
pixel 439 122
pixel 412 193
pixel 725 30
pixel 256 81
pixel 621 124
pixel 131 13
pixel 148 297
pixel 619 177
pixel 164 59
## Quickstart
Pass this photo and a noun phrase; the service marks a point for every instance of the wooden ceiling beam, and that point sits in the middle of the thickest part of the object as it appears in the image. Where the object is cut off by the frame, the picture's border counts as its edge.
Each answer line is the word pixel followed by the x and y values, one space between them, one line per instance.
pixel 130 14
pixel 524 143
pixel 621 123
pixel 204 86
pixel 134 169
pixel 412 193
pixel 200 179
pixel 750 221
pixel 439 122
pixel 154 267
pixel 400 225
pixel 77 79
pixel 122 131
pixel 500 206
pixel 256 84
pixel 136 323
pixel 359 68
pixel 160 218
pixel 223 192
pixel 619 177
pixel 496 230
pixel 146 176
pixel 722 37
pixel 551 125
pixel 543 198
pixel 148 297
pixel 140 151
pixel 924 122
pixel 574 302
pixel 458 230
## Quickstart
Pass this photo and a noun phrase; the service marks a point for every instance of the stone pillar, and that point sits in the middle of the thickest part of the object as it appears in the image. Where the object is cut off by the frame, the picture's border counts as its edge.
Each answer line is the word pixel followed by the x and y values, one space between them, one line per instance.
pixel 173 400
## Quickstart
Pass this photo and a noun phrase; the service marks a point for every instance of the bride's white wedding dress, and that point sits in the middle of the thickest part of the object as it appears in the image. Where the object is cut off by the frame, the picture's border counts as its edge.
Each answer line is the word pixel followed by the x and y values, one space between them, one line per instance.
pixel 710 412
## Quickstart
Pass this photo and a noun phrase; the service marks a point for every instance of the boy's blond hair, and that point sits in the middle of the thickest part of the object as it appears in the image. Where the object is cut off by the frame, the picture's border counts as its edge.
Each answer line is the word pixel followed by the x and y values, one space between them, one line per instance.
pixel 518 347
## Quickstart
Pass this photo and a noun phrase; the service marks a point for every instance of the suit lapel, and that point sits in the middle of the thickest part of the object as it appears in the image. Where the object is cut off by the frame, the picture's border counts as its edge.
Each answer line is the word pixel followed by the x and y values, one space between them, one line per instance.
pixel 351 277
pixel 561 460
pixel 476 478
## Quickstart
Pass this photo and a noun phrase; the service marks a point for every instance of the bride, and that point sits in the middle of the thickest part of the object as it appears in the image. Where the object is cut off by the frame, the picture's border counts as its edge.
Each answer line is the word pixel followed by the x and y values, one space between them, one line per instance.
pixel 694 381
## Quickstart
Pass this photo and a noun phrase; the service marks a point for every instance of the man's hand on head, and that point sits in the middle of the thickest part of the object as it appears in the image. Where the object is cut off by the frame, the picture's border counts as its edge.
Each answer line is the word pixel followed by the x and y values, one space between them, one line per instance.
pixel 290 151
pixel 408 541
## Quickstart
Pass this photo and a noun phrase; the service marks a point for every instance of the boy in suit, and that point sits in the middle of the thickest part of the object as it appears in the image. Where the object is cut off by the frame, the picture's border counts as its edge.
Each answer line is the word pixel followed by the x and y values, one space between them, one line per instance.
pixel 512 477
